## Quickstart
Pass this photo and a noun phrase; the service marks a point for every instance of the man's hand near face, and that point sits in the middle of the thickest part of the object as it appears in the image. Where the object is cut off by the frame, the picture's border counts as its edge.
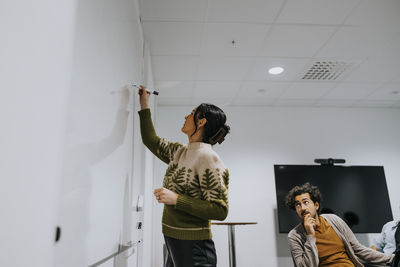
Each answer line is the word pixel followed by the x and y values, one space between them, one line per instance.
pixel 309 224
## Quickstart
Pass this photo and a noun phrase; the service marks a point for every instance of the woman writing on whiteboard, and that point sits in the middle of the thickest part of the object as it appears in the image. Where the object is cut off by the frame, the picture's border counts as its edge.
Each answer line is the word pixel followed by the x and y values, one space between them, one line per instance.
pixel 195 187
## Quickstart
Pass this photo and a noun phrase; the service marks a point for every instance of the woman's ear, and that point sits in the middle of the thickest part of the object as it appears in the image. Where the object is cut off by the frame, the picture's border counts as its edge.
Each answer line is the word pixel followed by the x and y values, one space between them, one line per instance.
pixel 201 122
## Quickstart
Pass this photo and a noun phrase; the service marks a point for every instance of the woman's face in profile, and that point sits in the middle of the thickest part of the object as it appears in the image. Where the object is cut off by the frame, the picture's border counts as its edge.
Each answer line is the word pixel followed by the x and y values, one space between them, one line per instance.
pixel 189 126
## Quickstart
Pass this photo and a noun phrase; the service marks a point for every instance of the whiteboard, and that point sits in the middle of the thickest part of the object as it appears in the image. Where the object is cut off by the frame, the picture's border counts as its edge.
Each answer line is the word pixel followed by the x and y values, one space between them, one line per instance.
pixel 97 188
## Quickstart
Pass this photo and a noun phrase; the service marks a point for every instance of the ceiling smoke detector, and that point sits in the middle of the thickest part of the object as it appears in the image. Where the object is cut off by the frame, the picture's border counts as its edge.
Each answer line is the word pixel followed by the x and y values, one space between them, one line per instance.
pixel 327 70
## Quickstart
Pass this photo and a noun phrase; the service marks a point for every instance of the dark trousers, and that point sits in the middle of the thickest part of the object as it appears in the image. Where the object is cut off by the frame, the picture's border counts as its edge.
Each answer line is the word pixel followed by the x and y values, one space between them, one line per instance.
pixel 190 253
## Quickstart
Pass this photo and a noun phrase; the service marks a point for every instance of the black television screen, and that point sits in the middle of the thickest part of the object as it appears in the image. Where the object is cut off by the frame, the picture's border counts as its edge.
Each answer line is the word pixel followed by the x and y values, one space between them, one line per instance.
pixel 358 194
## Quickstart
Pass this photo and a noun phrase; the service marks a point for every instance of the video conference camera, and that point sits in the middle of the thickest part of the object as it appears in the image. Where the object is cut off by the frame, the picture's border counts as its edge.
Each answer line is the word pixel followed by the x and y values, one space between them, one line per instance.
pixel 329 161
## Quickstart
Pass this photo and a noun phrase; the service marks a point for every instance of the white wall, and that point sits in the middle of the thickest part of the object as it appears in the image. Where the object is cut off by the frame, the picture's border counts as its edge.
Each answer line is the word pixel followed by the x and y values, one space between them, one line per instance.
pixel 35 69
pixel 262 137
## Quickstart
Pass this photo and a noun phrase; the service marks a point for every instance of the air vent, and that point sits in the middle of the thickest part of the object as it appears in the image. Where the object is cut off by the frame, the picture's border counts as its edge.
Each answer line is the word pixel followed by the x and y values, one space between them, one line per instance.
pixel 327 70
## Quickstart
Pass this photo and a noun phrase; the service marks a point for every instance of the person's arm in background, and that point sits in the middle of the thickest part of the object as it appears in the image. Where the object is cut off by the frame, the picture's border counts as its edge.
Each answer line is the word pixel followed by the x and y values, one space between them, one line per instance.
pixel 379 242
pixel 367 255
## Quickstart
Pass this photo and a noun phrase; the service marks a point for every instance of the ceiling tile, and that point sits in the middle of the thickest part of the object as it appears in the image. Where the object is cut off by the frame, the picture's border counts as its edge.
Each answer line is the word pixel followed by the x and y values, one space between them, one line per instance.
pixel 384 13
pixel 396 104
pixel 216 89
pixel 173 10
pixel 306 90
pixel 259 90
pixel 316 11
pixel 387 92
pixel 218 39
pixel 391 50
pixel 355 43
pixel 174 68
pixel 374 103
pixel 220 102
pixel 376 70
pixel 260 93
pixel 250 11
pixel 173 38
pixel 340 103
pixel 254 101
pixel 351 91
pixel 293 69
pixel 175 89
pixel 296 41
pixel 223 68
pixel 295 102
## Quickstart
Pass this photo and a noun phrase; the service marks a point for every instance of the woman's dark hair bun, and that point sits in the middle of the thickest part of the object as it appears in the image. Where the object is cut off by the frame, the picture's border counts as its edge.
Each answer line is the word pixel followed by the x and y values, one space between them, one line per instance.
pixel 219 136
pixel 216 128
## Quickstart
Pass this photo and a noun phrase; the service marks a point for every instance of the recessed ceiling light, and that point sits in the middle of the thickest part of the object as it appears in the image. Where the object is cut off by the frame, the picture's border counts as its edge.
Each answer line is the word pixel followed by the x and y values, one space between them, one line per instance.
pixel 275 70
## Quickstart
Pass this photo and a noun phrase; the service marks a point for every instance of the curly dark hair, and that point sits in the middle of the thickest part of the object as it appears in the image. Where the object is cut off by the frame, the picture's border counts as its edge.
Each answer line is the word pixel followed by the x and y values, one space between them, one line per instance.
pixel 313 191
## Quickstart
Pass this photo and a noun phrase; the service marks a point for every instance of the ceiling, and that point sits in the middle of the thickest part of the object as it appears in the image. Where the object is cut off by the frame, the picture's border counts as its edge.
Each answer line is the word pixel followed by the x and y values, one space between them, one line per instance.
pixel 219 51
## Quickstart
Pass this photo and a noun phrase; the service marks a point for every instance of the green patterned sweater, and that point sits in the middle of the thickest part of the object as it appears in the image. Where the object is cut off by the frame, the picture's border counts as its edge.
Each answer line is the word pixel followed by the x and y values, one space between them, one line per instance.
pixel 197 175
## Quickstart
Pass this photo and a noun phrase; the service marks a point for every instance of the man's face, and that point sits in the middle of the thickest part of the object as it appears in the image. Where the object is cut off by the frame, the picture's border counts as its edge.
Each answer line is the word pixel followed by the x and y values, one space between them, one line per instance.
pixel 304 205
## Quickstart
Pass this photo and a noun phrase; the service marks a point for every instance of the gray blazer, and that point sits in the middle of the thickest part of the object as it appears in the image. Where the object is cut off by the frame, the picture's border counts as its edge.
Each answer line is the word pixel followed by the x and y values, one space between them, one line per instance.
pixel 304 249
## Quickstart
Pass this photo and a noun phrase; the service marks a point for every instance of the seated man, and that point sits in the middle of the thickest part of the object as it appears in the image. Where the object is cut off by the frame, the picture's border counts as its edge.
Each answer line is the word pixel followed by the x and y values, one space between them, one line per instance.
pixel 324 240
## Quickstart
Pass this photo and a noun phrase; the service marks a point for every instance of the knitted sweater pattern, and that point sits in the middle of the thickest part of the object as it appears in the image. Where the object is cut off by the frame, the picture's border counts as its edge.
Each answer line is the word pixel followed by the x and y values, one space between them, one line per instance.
pixel 196 173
